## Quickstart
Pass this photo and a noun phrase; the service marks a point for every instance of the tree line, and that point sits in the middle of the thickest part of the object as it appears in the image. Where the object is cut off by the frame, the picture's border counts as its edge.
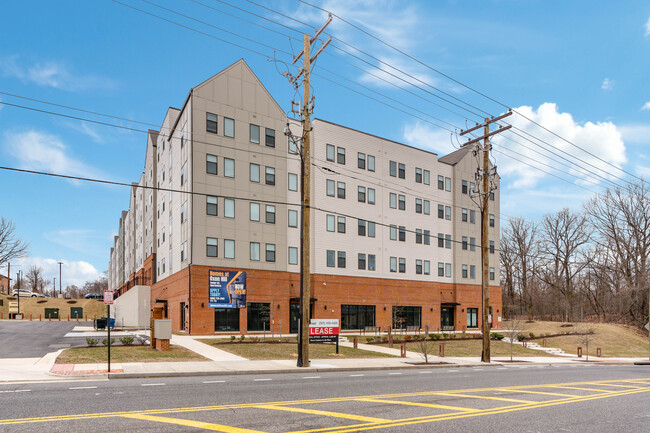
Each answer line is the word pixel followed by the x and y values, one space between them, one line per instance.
pixel 589 262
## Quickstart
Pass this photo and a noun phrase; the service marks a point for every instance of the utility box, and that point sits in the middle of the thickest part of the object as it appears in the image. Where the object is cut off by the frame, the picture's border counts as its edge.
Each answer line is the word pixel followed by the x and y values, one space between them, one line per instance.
pixel 163 329
pixel 51 313
pixel 76 312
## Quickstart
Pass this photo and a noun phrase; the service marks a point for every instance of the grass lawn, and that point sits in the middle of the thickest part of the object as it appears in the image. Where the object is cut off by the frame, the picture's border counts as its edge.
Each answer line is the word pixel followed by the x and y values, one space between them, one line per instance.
pixel 614 340
pixel 473 348
pixel 91 355
pixel 261 351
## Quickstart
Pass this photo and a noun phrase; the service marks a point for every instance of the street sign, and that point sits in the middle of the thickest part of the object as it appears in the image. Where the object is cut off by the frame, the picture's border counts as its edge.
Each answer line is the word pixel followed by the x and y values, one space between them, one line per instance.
pixel 323 330
pixel 108 298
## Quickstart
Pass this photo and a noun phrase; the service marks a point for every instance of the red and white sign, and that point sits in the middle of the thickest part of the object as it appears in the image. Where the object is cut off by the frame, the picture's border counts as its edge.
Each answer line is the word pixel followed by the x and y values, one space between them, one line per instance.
pixel 108 297
pixel 323 330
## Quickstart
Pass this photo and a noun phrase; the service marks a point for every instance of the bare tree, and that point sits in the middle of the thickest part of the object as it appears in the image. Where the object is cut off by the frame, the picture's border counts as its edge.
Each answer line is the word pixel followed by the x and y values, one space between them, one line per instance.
pixel 34 279
pixel 512 328
pixel 424 345
pixel 11 246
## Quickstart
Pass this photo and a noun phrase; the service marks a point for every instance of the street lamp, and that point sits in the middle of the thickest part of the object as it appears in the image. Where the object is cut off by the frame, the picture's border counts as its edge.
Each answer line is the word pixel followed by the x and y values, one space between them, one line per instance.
pixel 60 263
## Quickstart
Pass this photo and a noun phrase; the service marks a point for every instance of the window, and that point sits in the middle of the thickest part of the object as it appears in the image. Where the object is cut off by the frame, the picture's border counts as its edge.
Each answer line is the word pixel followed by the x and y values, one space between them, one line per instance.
pixel 211 205
pixel 402 265
pixel 491 220
pixel 228 167
pixel 427 237
pixel 392 200
pixel 472 317
pixel 341 259
pixel 211 122
pixel 472 189
pixel 361 161
pixel 427 177
pixel 472 216
pixel 371 262
pixel 402 234
pixel 361 230
pixel 229 249
pixel 340 189
pixel 270 214
pixel 464 271
pixel 183 212
pixel 371 196
pixel 464 189
pixel 228 127
pixel 183 173
pixel 255 251
pixel 229 208
pixel 210 164
pixel 441 211
pixel 447 184
pixel 293 182
pixel 418 205
pixel 270 252
pixel 330 188
pixel 255 211
pixel 331 258
pixel 448 270
pixel 340 224
pixel 255 134
pixel 361 195
pixel 418 175
pixel 331 223
pixel 427 207
pixel 418 267
pixel 418 236
pixel 393 264
pixel 401 202
pixel 491 247
pixel 293 255
pixel 340 155
pixel 269 175
pixel 254 172
pixel 183 251
pixel 258 316
pixel 330 152
pixel 441 182
pixel 491 274
pixel 448 212
pixel 448 242
pixel 441 240
pixel 427 267
pixel 361 261
pixel 392 168
pixel 464 243
pixel 492 195
pixel 401 171
pixel 371 162
pixel 163 266
pixel 472 271
pixel 269 137
pixel 472 244
pixel 371 229
pixel 357 316
pixel 211 247
pixel 441 269
pixel 293 218
pixel 464 215
pixel 393 233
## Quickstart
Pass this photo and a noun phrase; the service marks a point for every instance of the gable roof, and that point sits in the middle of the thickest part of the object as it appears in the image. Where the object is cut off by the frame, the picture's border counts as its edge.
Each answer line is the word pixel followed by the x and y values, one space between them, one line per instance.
pixel 455 157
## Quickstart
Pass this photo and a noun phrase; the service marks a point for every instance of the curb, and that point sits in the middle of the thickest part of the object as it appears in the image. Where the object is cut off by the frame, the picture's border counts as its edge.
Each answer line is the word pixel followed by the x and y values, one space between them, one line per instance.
pixel 642 363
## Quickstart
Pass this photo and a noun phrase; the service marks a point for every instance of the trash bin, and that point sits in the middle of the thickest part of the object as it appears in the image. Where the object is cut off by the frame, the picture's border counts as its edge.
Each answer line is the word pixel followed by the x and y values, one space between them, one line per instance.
pixel 112 321
pixel 100 323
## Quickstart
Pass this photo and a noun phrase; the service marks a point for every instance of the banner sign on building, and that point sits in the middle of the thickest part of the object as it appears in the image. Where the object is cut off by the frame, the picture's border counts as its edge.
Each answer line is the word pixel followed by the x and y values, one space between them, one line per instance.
pixel 227 289
pixel 324 330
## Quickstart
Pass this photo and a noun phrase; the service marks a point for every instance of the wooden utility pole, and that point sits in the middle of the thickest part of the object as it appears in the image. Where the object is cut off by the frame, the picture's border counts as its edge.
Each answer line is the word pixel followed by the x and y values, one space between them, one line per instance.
pixel 305 192
pixel 485 174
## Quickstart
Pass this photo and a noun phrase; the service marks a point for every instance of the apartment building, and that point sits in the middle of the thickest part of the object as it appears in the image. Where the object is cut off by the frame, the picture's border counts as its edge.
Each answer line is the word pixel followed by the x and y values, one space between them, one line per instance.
pixel 395 229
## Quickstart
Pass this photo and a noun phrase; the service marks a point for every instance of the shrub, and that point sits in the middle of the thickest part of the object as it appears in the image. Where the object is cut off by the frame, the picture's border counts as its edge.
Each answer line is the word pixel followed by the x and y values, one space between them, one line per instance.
pixel 378 338
pixel 434 336
pixel 408 337
pixel 496 336
pixel 370 339
pixel 105 341
pixel 232 338
pixel 127 341
pixel 384 338
pixel 521 337
pixel 92 342
pixel 242 337
pixel 532 335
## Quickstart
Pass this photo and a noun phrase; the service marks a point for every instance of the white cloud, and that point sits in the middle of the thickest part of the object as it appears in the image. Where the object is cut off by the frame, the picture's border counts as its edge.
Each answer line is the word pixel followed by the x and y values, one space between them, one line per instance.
pixel 86 129
pixel 85 241
pixel 646 106
pixel 637 133
pixel 647 28
pixel 72 272
pixel 428 137
pixel 607 84
pixel 602 139
pixel 39 151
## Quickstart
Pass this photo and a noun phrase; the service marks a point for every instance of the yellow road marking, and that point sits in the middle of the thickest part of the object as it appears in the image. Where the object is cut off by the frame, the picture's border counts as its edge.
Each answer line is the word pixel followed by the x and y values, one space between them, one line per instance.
pixel 577 387
pixel 325 413
pixel 411 403
pixel 539 392
pixel 621 386
pixel 191 423
pixel 486 397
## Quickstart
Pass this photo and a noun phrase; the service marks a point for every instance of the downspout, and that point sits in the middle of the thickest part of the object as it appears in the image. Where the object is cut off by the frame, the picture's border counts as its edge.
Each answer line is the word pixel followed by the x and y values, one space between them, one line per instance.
pixel 191 158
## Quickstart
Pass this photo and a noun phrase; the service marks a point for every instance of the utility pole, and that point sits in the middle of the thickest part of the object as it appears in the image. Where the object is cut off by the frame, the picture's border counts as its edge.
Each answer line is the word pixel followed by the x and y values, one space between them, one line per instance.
pixel 305 189
pixel 485 174
pixel 60 263
pixel 8 278
pixel 54 291
pixel 18 281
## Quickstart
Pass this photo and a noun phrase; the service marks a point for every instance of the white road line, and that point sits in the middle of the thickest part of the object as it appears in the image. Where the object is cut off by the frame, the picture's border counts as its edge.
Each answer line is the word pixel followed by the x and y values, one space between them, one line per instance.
pixel 83 387
pixel 6 391
pixel 262 380
pixel 452 371
pixel 477 369
pixel 152 384
pixel 214 381
pixel 356 375
pixel 394 374
pixel 311 377
pixel 424 372
pixel 502 368
pixel 23 390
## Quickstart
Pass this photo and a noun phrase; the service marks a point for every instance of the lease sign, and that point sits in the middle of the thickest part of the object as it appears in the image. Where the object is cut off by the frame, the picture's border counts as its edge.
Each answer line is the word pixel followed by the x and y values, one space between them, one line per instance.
pixel 323 330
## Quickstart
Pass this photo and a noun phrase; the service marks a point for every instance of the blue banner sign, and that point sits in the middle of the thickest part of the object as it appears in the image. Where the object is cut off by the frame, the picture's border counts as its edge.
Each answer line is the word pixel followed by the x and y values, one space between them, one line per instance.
pixel 227 289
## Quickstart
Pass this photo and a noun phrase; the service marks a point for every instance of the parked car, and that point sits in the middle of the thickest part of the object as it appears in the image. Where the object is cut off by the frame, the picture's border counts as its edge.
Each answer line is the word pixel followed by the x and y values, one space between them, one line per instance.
pixel 93 296
pixel 24 292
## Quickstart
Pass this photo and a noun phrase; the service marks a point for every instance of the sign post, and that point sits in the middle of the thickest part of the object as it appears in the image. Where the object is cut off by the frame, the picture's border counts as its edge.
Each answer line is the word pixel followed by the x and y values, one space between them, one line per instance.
pixel 108 301
pixel 324 331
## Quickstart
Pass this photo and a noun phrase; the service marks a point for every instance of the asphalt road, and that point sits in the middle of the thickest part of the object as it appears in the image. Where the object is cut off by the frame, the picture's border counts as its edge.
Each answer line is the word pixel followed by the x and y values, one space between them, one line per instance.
pixel 25 339
pixel 581 398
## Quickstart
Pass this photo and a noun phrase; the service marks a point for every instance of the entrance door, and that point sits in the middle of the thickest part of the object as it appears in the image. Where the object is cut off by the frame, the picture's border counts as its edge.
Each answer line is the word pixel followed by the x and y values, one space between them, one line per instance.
pixel 447 318
pixel 182 316
pixel 294 313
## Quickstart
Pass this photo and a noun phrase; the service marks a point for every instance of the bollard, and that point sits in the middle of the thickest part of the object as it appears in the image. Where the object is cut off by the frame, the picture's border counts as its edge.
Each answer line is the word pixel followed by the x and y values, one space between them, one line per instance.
pixel 402 351
pixel 598 352
pixel 579 352
pixel 40 318
pixel 543 342
pixel 49 316
pixel 524 344
pixel 390 341
pixel 77 317
pixel 355 342
pixel 441 350
pixel 68 317
pixel 30 317
pixel 86 317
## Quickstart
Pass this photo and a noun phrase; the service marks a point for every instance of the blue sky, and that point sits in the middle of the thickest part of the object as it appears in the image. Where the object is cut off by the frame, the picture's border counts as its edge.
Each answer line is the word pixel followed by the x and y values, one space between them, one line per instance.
pixel 579 68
